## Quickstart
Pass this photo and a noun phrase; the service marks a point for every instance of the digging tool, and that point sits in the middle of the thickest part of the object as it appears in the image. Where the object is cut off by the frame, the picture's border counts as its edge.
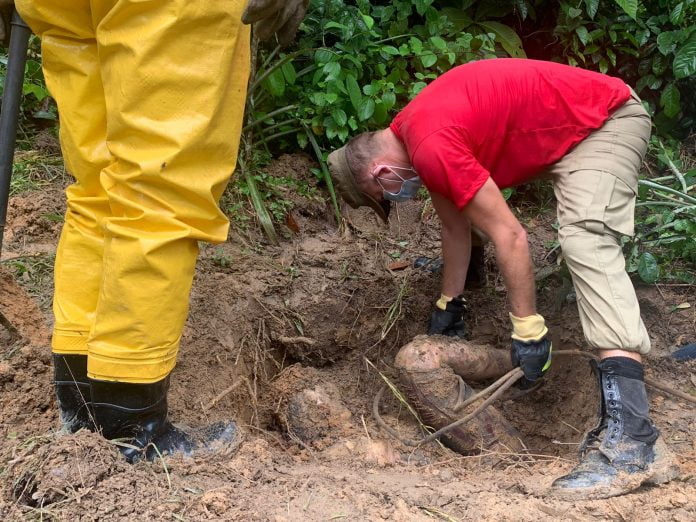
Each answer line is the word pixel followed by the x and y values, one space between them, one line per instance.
pixel 9 115
pixel 18 312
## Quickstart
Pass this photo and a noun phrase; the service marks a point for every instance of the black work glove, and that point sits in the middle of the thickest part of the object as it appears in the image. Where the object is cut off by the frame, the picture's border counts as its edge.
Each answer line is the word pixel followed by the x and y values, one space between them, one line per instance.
pixel 282 17
pixel 534 357
pixel 531 348
pixel 450 321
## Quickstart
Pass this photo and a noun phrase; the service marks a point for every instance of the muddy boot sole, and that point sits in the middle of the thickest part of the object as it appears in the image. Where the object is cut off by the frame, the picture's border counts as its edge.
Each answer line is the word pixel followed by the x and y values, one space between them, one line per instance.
pixel 662 470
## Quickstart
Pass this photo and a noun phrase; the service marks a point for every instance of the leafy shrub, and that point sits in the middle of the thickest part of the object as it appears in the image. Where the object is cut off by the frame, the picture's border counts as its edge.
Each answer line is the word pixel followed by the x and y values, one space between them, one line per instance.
pixel 358 64
pixel 36 101
pixel 651 45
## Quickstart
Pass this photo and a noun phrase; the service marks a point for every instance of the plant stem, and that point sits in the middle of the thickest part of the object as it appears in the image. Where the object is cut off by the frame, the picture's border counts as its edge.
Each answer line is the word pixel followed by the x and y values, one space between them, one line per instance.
pixel 657 186
pixel 325 171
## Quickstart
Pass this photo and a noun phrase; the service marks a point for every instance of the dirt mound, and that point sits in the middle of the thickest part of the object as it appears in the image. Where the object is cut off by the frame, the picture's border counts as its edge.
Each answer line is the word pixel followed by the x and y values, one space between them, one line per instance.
pixel 34 221
pixel 53 469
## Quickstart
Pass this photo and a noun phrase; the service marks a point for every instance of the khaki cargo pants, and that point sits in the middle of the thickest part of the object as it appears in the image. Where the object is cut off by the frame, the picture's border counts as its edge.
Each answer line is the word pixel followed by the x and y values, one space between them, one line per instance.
pixel 595 186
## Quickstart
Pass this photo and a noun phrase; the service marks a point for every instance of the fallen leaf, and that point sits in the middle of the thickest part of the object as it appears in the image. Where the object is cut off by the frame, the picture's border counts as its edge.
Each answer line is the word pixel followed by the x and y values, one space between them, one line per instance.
pixel 398 265
pixel 292 223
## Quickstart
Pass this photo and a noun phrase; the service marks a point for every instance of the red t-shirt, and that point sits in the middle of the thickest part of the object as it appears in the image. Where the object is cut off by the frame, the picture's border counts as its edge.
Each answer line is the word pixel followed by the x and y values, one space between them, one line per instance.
pixel 506 118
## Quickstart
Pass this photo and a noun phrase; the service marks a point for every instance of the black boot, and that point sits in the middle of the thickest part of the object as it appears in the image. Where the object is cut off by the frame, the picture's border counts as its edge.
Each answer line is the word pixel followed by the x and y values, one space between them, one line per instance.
pixel 137 414
pixel 72 391
pixel 623 451
pixel 476 275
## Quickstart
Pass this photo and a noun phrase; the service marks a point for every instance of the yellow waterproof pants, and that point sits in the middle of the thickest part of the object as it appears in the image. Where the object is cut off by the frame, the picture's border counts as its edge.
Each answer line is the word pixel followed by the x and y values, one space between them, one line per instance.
pixel 151 97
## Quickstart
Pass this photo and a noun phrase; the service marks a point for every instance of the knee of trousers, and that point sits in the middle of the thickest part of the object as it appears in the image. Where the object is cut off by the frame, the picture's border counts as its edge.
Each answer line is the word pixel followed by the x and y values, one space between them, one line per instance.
pixel 607 302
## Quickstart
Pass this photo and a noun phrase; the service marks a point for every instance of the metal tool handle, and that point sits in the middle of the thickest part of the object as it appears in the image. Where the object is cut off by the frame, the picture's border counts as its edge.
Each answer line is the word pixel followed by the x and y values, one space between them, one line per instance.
pixel 9 113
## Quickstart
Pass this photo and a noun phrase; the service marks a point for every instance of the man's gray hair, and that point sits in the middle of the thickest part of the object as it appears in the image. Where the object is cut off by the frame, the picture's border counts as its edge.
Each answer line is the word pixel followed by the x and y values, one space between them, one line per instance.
pixel 359 152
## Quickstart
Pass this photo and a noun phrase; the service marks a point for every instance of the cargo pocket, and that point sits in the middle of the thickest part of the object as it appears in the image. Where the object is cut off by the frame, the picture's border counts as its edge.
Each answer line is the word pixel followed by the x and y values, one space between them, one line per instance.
pixel 613 205
pixel 620 212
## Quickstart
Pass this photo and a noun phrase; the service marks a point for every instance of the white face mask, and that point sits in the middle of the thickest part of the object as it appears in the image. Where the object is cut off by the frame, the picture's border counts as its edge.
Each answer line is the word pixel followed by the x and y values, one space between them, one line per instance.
pixel 409 186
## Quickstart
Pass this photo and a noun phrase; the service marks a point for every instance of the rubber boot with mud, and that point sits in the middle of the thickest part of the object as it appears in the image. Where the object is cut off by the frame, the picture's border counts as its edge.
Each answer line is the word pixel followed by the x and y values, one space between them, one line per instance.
pixel 136 414
pixel 624 451
pixel 72 391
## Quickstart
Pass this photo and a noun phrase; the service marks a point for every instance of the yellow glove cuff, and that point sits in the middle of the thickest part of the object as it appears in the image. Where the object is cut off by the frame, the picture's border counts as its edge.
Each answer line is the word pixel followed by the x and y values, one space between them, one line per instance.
pixel 442 302
pixel 528 329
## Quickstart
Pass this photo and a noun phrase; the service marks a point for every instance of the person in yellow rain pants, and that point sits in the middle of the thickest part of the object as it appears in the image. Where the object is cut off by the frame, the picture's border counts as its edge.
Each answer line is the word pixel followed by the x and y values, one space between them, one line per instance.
pixel 151 98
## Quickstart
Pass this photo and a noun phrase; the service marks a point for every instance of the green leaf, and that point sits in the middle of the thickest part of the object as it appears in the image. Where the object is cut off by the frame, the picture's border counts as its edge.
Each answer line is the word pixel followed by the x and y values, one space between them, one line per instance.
pixel 428 59
pixel 681 225
pixel 648 269
pixel 684 64
pixel 354 92
pixel 507 37
pixel 458 17
pixel 340 117
pixel 416 45
pixel 336 25
pixel 677 14
pixel 659 64
pixel 422 5
pixel 670 100
pixel 323 56
pixel 630 7
pixel 574 13
pixel 289 72
pixel 369 21
pixel 439 43
pixel 275 83
pixel 417 87
pixel 388 99
pixel 366 109
pixel 318 99
pixel 380 115
pixel 666 41
pixel 332 70
pixel 38 91
pixel 591 6
pixel 583 34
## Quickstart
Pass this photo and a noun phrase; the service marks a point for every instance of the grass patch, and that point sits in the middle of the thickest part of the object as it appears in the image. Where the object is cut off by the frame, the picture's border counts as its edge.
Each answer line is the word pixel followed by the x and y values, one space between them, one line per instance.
pixel 34 170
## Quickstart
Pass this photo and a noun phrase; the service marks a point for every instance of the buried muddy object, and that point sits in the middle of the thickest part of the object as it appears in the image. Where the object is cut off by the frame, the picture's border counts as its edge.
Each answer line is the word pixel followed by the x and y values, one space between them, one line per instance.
pixel 432 371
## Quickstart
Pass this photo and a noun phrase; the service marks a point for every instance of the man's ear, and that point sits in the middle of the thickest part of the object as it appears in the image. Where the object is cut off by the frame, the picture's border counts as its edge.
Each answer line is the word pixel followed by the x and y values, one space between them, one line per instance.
pixel 377 170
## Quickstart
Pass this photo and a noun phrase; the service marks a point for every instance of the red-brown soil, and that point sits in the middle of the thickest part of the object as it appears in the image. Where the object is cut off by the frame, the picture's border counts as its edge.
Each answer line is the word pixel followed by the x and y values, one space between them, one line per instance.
pixel 283 339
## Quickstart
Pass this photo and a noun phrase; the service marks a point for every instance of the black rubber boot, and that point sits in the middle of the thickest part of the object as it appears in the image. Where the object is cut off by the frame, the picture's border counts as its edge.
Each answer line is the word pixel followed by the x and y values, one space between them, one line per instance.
pixel 476 275
pixel 72 391
pixel 136 414
pixel 623 451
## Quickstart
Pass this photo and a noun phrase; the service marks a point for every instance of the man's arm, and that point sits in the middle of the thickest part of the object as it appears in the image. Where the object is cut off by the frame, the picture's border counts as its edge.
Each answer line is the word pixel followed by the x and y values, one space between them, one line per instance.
pixel 456 245
pixel 489 212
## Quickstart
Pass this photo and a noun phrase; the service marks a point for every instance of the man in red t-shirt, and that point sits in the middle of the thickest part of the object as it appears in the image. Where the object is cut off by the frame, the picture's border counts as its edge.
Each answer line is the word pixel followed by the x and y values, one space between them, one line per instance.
pixel 494 124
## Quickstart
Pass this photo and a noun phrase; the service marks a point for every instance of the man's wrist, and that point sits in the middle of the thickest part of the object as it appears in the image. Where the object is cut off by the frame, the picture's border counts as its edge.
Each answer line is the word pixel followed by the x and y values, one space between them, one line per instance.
pixel 442 302
pixel 531 328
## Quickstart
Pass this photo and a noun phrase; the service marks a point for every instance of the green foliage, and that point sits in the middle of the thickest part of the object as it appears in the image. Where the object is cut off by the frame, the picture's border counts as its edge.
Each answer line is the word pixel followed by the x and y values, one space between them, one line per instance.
pixel 664 244
pixel 359 64
pixel 36 100
pixel 650 44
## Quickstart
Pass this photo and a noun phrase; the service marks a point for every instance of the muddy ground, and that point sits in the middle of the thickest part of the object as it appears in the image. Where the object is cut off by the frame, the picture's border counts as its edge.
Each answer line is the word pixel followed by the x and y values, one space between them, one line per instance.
pixel 288 340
